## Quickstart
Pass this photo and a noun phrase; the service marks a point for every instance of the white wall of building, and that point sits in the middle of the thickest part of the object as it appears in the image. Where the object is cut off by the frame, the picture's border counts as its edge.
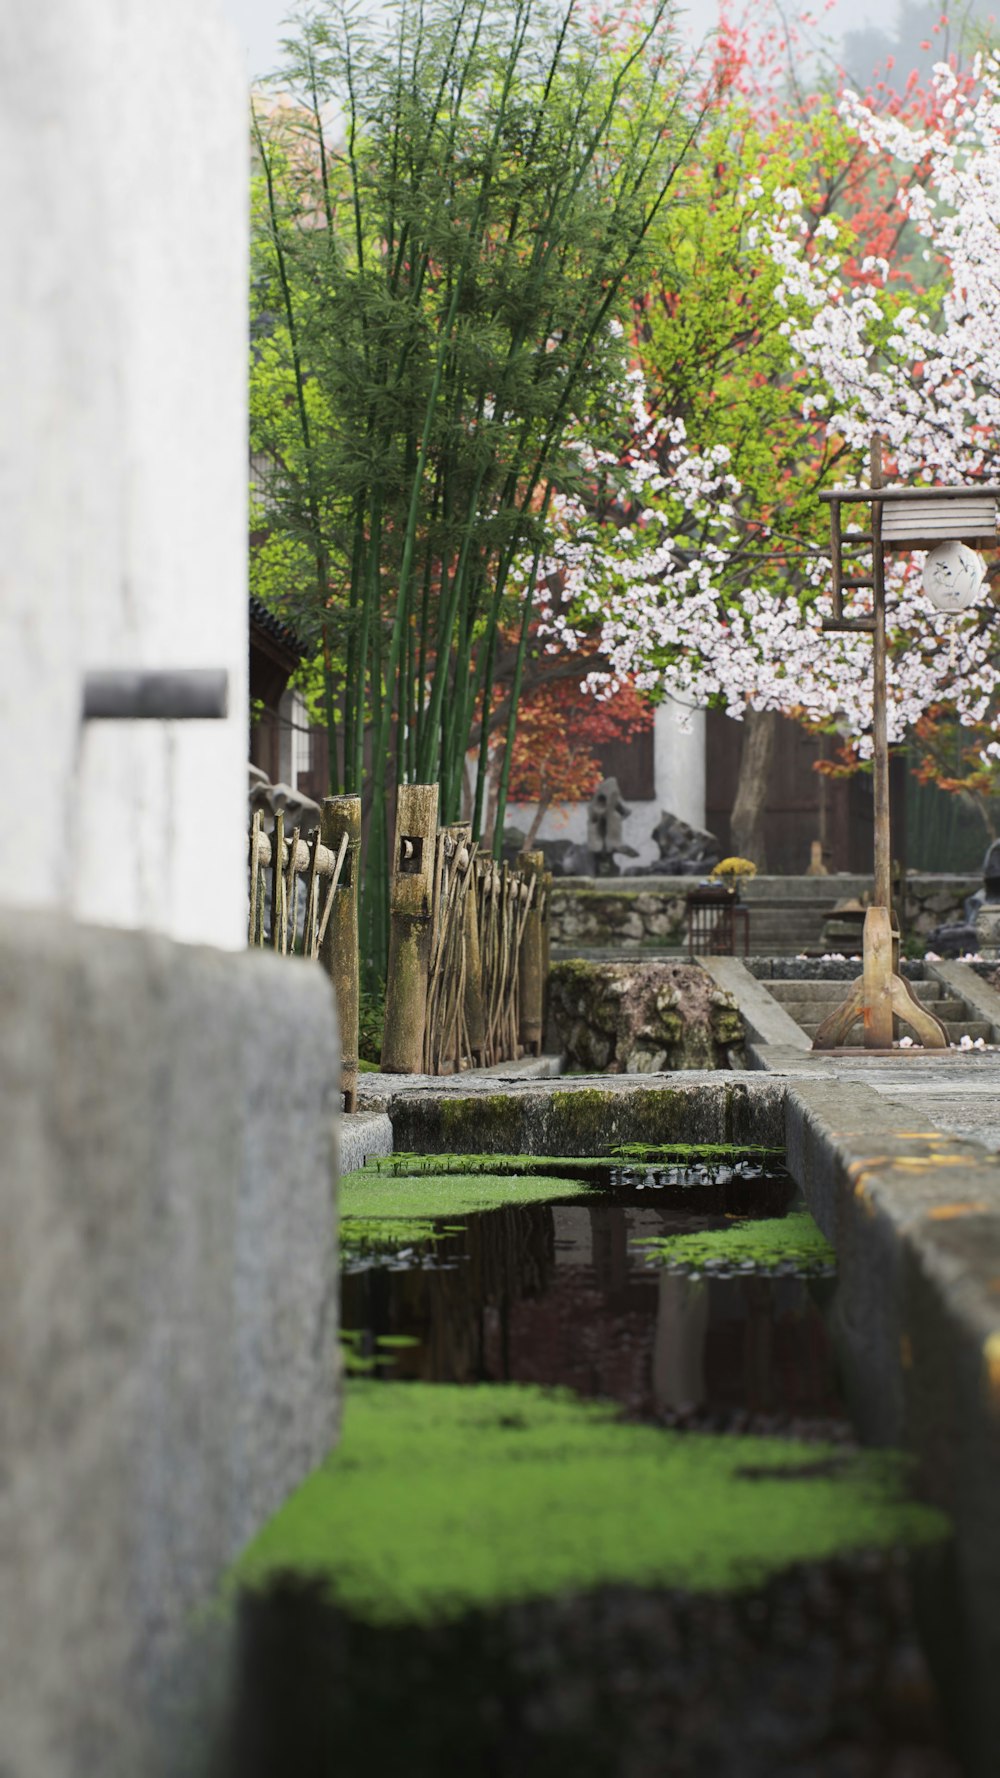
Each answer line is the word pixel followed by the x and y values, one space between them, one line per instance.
pixel 678 775
pixel 123 139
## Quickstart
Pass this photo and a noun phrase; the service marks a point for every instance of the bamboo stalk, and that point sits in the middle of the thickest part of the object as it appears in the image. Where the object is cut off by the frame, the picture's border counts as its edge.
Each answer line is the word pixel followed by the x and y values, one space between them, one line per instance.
pixel 530 977
pixel 341 829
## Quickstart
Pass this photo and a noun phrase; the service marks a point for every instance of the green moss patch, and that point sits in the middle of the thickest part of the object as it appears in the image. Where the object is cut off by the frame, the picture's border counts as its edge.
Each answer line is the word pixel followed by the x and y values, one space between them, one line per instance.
pixel 361 1235
pixel 441 1498
pixel 373 1195
pixel 383 1212
pixel 779 1242
pixel 673 1154
pixel 498 1166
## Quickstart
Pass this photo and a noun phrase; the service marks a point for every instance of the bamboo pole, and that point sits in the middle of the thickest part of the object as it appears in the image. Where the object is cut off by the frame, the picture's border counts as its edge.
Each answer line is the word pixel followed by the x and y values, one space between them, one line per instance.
pixel 475 1016
pixel 530 979
pixel 546 946
pixel 411 927
pixel 340 832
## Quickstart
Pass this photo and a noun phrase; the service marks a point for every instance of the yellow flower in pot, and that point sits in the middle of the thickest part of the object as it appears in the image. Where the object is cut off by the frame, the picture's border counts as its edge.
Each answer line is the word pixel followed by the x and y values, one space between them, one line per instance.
pixel 731 871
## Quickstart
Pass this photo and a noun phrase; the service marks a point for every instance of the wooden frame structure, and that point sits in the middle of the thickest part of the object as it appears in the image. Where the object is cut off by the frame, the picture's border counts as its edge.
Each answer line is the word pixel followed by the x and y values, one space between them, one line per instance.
pixel 901 518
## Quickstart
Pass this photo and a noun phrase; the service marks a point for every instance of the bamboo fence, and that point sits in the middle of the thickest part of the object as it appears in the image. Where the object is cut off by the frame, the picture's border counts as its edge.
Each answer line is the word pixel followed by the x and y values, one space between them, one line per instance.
pixel 468 952
pixel 286 867
pixel 304 902
pixel 468 948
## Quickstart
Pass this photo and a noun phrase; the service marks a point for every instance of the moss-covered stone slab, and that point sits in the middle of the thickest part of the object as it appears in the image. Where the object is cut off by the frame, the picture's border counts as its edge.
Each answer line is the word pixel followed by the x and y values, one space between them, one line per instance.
pixel 589 1117
pixel 442 1498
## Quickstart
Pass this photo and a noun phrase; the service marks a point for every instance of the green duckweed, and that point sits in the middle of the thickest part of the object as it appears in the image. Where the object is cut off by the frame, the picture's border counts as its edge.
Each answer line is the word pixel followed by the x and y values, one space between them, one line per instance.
pixel 442 1498
pixel 380 1213
pixel 766 1243
pixel 365 1194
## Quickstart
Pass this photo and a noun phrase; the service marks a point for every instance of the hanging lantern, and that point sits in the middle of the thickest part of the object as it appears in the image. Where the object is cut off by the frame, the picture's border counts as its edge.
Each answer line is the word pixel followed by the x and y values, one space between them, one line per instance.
pixel 953 576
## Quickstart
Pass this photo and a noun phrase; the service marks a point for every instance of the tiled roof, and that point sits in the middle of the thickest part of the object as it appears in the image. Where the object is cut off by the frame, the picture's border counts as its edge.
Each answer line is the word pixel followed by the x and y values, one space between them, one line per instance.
pixel 265 620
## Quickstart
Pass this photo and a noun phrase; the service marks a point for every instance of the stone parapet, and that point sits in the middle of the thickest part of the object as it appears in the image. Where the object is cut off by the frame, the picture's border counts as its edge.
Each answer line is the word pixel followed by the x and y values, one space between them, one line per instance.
pixel 168 1319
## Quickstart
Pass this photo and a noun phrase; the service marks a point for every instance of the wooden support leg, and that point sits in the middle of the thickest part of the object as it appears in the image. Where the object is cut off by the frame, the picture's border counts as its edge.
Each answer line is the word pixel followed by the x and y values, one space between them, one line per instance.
pixel 837 1026
pixel 877 996
pixel 926 1028
pixel 877 979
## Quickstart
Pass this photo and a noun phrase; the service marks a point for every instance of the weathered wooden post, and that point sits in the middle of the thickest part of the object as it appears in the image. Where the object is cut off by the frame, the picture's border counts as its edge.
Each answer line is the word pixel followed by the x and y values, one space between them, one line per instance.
pixel 531 960
pixel 546 946
pixel 475 1010
pixel 339 949
pixel 934 519
pixel 411 922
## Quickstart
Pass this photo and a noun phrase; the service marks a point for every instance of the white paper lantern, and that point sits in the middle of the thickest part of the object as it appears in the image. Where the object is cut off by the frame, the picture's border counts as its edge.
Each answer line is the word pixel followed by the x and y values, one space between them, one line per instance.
pixel 953 576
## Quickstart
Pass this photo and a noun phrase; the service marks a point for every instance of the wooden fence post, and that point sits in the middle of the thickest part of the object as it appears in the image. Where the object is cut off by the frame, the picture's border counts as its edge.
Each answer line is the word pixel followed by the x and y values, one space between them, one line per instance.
pixel 530 977
pixel 411 922
pixel 339 949
pixel 546 947
pixel 475 1014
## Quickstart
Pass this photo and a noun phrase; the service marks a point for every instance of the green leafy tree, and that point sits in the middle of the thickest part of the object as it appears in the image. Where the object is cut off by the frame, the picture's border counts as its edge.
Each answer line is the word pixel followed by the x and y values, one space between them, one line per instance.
pixel 437 281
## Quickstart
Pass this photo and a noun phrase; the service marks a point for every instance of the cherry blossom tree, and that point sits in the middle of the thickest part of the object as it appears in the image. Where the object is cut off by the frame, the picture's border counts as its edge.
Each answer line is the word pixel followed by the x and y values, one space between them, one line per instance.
pixel 706 580
pixel 924 373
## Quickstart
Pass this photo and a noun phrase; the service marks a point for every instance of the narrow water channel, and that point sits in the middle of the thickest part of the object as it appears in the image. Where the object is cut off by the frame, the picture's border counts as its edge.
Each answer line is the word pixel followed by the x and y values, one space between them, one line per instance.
pixel 598 1508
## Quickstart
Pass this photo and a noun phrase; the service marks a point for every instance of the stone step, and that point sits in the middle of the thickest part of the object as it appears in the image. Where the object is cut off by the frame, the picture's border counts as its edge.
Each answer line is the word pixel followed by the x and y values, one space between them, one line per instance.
pixel 955 1030
pixel 792 992
pixel 781 928
pixel 783 940
pixel 813 1012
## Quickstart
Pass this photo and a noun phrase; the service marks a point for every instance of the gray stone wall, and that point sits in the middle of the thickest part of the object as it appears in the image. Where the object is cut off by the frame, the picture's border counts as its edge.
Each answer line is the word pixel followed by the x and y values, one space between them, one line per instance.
pixel 651 911
pixel 588 913
pixel 936 901
pixel 168 1316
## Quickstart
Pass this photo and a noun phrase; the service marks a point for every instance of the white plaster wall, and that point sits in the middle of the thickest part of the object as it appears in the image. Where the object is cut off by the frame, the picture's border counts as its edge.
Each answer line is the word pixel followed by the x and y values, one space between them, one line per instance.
pixel 679 760
pixel 123 144
pixel 679 777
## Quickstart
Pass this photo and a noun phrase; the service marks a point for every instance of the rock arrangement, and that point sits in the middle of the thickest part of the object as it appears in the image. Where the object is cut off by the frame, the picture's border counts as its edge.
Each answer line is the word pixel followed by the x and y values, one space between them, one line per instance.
pixel 684 851
pixel 641 1018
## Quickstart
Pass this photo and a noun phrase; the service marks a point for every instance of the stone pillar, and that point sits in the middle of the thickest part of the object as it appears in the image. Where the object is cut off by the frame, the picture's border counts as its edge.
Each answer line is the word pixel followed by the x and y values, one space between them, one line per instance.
pixel 168 1306
pixel 679 755
pixel 123 455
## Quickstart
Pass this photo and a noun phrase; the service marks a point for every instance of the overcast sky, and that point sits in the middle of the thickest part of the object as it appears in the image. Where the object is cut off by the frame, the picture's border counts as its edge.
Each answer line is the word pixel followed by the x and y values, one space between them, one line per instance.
pixel 259 22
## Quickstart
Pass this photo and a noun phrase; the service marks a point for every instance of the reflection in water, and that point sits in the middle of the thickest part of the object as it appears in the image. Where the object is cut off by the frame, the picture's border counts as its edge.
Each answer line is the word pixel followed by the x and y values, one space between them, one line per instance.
pixel 818 1674
pixel 561 1295
pixel 815 1675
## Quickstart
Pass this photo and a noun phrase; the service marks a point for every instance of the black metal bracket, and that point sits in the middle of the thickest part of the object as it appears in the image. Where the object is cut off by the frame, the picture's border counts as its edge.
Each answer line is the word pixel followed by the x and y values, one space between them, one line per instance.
pixel 179 694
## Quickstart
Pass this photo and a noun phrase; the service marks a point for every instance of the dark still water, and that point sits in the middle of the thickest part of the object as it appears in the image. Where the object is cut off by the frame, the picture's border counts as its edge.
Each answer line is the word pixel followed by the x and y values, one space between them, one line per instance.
pixel 814 1669
pixel 565 1295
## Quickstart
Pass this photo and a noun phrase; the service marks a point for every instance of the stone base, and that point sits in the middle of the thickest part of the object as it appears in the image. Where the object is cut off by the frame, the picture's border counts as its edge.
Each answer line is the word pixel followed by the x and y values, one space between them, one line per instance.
pixel 988 929
pixel 168 1318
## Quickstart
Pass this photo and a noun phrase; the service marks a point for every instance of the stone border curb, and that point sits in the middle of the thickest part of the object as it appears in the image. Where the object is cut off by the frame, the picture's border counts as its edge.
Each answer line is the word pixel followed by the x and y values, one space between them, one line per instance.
pixel 376 1091
pixel 915 1218
pixel 765 1019
pixel 585 1114
pixel 964 984
pixel 363 1136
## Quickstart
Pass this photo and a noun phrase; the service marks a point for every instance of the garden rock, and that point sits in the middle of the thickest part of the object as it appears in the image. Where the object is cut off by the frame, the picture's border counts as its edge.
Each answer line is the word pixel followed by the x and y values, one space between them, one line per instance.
pixel 642 1018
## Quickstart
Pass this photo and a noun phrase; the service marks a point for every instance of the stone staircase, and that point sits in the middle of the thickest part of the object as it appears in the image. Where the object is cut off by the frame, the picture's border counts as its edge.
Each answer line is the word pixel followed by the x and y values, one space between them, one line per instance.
pixel 809 1003
pixel 785 926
